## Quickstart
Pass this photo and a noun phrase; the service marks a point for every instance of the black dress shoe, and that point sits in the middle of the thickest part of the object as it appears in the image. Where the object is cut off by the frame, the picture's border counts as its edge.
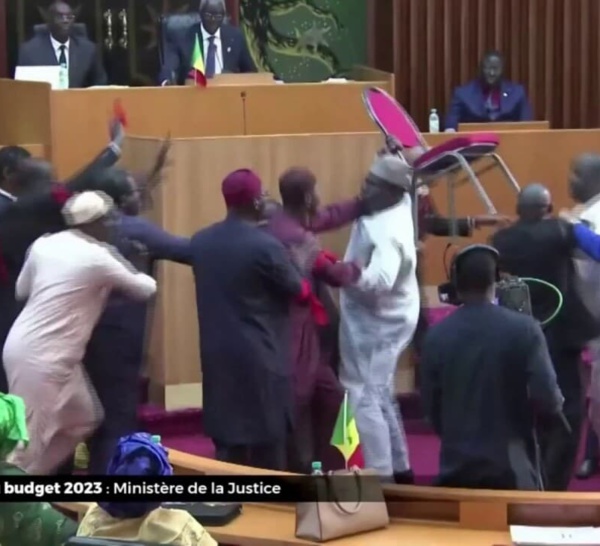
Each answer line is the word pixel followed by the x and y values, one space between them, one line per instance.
pixel 587 469
pixel 404 478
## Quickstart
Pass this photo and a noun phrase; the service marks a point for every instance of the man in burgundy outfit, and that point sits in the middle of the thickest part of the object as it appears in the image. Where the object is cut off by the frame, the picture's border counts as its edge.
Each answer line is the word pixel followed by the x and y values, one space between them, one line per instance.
pixel 317 392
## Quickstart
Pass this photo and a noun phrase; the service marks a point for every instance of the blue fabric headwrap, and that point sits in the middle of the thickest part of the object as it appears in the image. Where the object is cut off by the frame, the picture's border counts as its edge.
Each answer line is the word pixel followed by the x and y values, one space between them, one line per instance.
pixel 137 455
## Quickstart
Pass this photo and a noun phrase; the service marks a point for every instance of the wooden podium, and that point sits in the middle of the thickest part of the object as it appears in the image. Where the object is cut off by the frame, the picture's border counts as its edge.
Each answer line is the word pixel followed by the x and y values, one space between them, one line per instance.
pixel 71 125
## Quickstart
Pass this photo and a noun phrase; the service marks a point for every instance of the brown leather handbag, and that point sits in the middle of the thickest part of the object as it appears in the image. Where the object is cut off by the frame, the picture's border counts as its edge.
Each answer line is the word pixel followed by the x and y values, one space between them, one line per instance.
pixel 348 503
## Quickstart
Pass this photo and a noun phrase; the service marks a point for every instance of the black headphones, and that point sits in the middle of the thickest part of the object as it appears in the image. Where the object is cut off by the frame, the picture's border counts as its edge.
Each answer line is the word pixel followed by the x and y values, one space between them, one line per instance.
pixel 459 256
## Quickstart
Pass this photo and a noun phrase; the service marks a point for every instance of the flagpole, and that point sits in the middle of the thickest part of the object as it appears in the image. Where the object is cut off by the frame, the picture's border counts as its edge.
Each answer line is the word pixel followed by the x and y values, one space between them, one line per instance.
pixel 345 413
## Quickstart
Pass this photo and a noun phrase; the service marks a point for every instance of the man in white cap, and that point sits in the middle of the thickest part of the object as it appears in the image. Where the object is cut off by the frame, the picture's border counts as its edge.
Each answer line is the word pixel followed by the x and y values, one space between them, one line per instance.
pixel 378 317
pixel 66 280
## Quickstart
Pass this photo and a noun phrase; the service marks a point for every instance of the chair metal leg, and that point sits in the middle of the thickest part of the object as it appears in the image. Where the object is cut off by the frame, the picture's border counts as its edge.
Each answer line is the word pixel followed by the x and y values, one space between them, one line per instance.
pixel 487 202
pixel 452 208
pixel 415 205
pixel 504 167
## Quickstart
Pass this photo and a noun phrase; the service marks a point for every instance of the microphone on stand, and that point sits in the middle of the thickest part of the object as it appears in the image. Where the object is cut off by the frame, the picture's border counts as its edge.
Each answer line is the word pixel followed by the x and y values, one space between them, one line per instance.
pixel 243 96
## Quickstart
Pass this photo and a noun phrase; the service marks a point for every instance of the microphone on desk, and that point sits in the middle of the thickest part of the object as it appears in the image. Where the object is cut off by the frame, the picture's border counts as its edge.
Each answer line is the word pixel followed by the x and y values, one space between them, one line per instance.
pixel 243 97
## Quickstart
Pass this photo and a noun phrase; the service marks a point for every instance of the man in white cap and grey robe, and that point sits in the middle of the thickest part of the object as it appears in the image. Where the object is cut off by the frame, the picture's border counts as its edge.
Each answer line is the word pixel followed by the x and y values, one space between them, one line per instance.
pixel 379 315
pixel 65 282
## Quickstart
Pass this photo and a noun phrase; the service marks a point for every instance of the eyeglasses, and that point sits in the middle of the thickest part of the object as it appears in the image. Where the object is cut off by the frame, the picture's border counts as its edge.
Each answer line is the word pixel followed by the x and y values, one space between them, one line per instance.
pixel 213 16
pixel 65 17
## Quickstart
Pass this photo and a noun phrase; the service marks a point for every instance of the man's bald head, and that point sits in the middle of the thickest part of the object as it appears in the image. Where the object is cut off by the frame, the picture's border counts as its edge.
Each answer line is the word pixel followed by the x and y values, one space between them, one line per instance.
pixel 534 202
pixel 584 179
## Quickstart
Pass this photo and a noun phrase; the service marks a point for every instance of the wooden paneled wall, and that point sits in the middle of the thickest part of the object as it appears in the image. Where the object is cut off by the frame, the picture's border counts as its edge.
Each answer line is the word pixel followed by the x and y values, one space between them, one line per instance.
pixel 551 46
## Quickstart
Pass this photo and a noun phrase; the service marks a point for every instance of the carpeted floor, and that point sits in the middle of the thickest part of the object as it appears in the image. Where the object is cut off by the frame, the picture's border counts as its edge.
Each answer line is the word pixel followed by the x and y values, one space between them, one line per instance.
pixel 182 430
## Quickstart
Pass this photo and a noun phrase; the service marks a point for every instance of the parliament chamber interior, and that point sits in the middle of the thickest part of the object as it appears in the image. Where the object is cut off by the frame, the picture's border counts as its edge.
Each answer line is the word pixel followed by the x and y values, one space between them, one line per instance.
pixel 492 96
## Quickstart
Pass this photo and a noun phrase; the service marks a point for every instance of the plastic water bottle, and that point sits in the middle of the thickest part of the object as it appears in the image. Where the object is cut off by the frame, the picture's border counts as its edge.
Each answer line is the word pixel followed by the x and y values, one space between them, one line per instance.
pixel 317 468
pixel 63 77
pixel 434 121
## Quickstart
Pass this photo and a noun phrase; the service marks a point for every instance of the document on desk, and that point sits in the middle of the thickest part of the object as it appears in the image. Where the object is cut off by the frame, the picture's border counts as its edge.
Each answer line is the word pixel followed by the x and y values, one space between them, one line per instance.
pixel 523 535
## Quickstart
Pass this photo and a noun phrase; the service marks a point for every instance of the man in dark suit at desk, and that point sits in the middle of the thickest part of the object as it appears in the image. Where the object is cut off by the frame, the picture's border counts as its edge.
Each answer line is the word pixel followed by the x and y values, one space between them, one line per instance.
pixel 59 46
pixel 490 98
pixel 223 46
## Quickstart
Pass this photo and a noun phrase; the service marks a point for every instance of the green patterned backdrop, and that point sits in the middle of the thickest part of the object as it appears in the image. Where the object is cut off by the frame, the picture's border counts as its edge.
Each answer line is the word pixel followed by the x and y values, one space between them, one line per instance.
pixel 305 40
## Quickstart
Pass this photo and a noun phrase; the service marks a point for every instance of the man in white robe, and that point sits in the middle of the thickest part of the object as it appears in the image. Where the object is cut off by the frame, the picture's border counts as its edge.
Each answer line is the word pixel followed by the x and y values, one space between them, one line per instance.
pixel 66 280
pixel 379 315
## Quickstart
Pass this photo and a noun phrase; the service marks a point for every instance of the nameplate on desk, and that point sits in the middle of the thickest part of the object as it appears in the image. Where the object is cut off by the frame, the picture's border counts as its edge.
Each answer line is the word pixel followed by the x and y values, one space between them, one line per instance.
pixel 523 535
pixel 206 489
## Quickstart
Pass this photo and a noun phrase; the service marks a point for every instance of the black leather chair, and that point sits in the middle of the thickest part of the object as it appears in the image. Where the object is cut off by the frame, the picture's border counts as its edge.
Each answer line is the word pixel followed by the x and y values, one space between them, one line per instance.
pixel 175 25
pixel 85 541
pixel 78 30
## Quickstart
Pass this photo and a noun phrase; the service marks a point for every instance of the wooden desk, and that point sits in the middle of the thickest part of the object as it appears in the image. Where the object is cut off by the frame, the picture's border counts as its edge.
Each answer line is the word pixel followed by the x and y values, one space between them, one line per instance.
pixel 73 124
pixel 274 525
pixel 419 515
pixel 504 126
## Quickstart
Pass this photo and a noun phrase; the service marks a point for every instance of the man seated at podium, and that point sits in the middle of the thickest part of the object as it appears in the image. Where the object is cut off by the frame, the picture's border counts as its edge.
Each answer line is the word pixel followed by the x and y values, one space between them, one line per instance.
pixel 489 98
pixel 60 46
pixel 223 47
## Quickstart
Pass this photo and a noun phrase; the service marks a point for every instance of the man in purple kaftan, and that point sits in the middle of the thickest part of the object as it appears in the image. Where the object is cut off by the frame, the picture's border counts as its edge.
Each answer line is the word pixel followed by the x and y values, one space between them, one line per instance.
pixel 317 392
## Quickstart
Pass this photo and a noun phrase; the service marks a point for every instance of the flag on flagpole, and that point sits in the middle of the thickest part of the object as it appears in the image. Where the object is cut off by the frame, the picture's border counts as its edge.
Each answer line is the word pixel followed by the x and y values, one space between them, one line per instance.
pixel 345 436
pixel 197 72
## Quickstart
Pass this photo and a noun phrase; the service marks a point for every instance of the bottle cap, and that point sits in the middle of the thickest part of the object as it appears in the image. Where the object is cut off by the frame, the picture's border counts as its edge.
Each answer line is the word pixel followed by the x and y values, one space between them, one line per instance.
pixel 316 465
pixel 155 438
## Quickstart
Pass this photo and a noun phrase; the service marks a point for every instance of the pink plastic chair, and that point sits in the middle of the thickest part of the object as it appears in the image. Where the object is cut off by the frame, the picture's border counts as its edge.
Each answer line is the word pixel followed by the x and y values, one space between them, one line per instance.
pixel 447 159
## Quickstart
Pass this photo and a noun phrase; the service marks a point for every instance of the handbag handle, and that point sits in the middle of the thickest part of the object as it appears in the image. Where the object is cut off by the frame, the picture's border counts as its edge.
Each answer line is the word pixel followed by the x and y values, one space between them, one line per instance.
pixel 337 502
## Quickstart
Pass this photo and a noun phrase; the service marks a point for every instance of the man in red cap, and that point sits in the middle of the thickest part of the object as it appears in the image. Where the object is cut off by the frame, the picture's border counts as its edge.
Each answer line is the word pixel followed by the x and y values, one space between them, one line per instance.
pixel 245 284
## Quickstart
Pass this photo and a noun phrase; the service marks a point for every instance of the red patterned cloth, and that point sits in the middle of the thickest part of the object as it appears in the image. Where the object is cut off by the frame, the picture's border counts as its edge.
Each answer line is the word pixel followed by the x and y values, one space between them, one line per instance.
pixel 60 194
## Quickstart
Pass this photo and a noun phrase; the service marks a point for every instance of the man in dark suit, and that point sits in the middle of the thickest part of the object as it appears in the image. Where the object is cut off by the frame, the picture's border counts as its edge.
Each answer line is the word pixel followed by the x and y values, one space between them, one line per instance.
pixel 10 189
pixel 114 354
pixel 223 47
pixel 489 98
pixel 483 370
pixel 542 247
pixel 33 214
pixel 59 46
pixel 245 282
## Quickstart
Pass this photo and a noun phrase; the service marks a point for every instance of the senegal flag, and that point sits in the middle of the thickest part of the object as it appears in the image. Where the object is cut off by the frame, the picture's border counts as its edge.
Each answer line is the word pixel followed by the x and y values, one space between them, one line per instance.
pixel 345 436
pixel 197 71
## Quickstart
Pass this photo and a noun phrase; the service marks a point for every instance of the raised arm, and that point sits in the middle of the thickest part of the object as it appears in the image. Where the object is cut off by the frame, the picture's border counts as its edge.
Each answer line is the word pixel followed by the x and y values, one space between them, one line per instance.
pixel 118 274
pixel 587 241
pixel 336 215
pixel 160 244
pixel 107 157
pixel 431 222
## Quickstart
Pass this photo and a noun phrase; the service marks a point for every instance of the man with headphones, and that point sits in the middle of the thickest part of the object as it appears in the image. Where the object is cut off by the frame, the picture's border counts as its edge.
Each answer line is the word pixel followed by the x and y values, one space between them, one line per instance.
pixel 485 371
pixel 542 246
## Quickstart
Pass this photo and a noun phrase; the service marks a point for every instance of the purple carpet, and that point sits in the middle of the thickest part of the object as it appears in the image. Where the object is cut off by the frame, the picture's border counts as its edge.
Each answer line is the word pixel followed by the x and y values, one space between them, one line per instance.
pixel 182 430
